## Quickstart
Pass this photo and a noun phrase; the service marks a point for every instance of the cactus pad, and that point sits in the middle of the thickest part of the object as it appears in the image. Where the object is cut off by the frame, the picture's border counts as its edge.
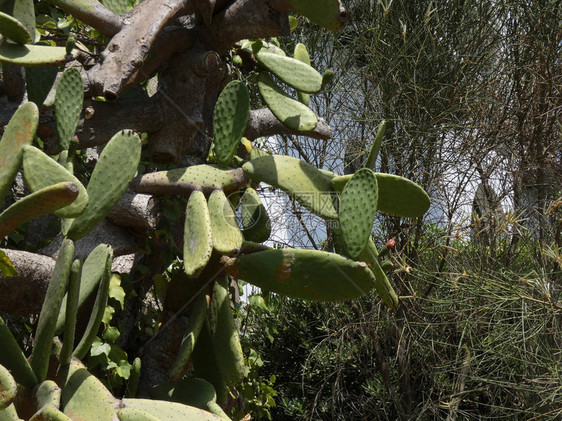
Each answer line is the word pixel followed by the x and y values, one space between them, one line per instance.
pixel 292 71
pixel 69 98
pixel 291 113
pixel 301 54
pixel 41 171
pixel 307 274
pixel 383 286
pixel 8 388
pixel 42 202
pixel 39 82
pixel 183 181
pixel 168 411
pixel 358 207
pixel 198 236
pixel 227 238
pixel 33 55
pixel 13 358
pixel 112 174
pixel 13 29
pixel 230 117
pixel 18 133
pixel 224 335
pixel 308 185
pixel 397 195
pixel 255 220
pixel 118 6
pixel 325 13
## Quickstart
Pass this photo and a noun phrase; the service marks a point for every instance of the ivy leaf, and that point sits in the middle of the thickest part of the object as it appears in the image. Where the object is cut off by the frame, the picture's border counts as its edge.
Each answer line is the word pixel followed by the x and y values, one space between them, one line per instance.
pixel 6 266
pixel 258 301
pixel 111 334
pixel 124 369
pixel 99 347
pixel 116 291
pixel 108 315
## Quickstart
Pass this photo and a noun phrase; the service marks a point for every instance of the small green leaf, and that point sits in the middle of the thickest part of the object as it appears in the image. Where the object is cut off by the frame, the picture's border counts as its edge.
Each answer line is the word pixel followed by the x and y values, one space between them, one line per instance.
pixel 258 301
pixel 99 348
pixel 108 315
pixel 116 291
pixel 111 334
pixel 6 266
pixel 124 369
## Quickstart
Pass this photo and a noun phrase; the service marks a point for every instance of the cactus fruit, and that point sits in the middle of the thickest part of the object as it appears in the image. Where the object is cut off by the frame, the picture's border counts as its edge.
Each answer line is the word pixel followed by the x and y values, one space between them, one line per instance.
pixel 39 82
pixel 183 181
pixel 72 297
pixel 301 54
pixel 325 13
pixel 112 174
pixel 40 171
pixel 69 99
pixel 230 117
pixel 167 411
pixel 45 332
pixel 227 238
pixel 41 202
pixel 97 314
pixel 198 236
pixel 13 29
pixel 18 133
pixel 14 360
pixel 224 335
pixel 197 312
pixel 302 181
pixel 255 220
pixel 291 113
pixel 357 210
pixel 397 195
pixel 383 286
pixel 372 158
pixel 307 274
pixel 292 71
pixel 92 272
pixel 33 55
pixel 8 388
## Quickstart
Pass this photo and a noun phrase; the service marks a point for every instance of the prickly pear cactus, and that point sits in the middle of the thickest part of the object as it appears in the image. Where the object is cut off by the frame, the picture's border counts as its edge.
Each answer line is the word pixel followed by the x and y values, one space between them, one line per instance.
pixel 227 238
pixel 68 105
pixel 357 210
pixel 198 235
pixel 33 55
pixel 326 13
pixel 291 113
pixel 13 29
pixel 8 388
pixel 255 220
pixel 230 117
pixel 301 54
pixel 292 71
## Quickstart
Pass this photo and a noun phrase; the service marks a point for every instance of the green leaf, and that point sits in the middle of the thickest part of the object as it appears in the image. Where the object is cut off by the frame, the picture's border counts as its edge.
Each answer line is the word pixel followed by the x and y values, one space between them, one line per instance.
pixel 99 348
pixel 111 334
pixel 124 369
pixel 116 291
pixel 6 266
pixel 258 301
pixel 108 315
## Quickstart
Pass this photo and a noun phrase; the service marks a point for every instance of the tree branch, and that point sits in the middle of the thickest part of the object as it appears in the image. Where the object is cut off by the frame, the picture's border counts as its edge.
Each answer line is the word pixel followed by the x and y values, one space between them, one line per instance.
pixel 262 122
pixel 92 13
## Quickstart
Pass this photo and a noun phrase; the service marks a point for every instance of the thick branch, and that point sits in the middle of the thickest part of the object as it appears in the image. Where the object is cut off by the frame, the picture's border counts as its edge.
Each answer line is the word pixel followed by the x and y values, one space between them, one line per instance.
pixel 92 13
pixel 126 52
pixel 138 211
pixel 263 123
pixel 27 290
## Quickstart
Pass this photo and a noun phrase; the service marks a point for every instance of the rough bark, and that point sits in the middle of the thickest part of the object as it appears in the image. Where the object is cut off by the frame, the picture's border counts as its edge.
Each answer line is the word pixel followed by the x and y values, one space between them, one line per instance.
pixel 138 211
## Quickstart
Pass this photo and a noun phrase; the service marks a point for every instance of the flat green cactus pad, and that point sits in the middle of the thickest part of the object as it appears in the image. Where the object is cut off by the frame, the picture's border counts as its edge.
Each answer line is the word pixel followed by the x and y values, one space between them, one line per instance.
pixel 18 133
pixel 230 117
pixel 39 82
pixel 68 105
pixel 8 388
pixel 118 6
pixel 13 29
pixel 198 236
pixel 41 171
pixel 291 113
pixel 397 195
pixel 41 202
pixel 135 414
pixel 169 411
pixel 112 174
pixel 307 274
pixel 13 358
pixel 227 238
pixel 308 185
pixel 358 207
pixel 255 220
pixel 383 286
pixel 301 54
pixel 183 181
pixel 33 55
pixel 195 392
pixel 325 13
pixel 292 71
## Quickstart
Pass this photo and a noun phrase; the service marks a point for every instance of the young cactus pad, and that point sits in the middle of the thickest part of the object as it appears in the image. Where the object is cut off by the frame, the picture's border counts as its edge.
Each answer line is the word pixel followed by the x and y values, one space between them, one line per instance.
pixel 68 105
pixel 383 286
pixel 397 195
pixel 255 220
pixel 198 236
pixel 13 29
pixel 230 117
pixel 183 181
pixel 41 202
pixel 325 13
pixel 358 207
pixel 308 185
pixel 291 113
pixel 13 358
pixel 227 238
pixel 8 388
pixel 307 274
pixel 40 171
pixel 18 133
pixel 293 72
pixel 33 55
pixel 301 54
pixel 112 174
